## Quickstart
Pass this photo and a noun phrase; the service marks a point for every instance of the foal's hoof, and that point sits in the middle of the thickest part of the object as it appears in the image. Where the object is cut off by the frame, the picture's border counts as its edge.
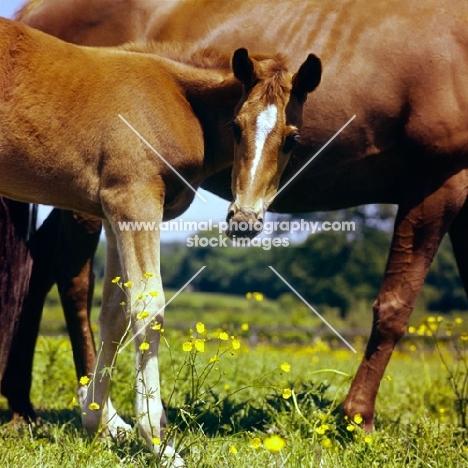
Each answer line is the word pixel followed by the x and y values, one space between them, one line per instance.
pixel 171 459
pixel 117 428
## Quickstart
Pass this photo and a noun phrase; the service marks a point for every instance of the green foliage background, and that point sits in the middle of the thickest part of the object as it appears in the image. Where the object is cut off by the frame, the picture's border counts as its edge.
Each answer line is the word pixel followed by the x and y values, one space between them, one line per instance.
pixel 333 269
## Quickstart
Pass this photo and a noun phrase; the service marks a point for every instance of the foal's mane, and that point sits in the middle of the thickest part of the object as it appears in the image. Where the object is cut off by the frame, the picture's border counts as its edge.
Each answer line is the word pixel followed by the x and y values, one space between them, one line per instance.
pixel 272 69
pixel 274 74
pixel 208 58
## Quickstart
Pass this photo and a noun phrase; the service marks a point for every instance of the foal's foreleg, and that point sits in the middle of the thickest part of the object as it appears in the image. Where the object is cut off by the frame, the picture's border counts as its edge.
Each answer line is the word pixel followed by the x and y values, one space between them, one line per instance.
pixel 98 412
pixel 141 257
pixel 73 270
pixel 419 228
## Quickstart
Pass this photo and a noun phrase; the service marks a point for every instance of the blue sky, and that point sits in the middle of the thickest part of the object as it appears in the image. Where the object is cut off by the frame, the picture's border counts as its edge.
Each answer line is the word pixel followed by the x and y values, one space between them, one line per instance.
pixel 9 7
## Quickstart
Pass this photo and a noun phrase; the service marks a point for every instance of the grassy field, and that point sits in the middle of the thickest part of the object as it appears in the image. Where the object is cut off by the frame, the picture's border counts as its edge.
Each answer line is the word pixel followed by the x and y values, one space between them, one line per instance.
pixel 245 408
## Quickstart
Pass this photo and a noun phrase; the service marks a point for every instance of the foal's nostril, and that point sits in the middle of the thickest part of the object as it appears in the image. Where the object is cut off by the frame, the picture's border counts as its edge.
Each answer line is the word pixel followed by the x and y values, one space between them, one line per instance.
pixel 230 215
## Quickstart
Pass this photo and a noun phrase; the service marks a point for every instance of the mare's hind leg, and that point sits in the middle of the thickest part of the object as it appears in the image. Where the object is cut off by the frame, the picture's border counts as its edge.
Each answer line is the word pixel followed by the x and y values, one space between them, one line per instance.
pixel 419 228
pixel 97 410
pixel 459 237
pixel 73 271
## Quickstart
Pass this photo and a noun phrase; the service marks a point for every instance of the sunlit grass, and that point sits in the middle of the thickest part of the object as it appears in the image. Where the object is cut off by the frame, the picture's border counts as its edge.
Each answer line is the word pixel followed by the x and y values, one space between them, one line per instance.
pixel 243 418
pixel 237 395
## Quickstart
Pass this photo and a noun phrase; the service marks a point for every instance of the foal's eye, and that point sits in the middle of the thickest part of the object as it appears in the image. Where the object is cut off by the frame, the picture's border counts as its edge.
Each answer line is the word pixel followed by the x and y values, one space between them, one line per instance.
pixel 237 131
pixel 291 142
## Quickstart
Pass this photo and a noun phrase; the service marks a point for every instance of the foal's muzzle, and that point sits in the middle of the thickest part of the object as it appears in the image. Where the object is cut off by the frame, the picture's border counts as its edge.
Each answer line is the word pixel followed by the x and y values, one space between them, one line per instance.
pixel 243 223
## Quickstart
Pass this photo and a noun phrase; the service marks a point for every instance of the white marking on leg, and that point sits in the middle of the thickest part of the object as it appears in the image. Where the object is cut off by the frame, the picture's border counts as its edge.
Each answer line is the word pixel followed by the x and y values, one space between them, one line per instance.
pixel 266 122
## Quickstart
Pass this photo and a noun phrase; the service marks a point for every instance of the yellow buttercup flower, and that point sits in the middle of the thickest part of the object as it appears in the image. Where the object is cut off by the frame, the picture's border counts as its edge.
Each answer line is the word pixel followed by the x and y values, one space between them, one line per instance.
pixel 116 280
pixel 73 403
pixel 256 443
pixel 223 336
pixel 350 428
pixel 232 449
pixel 236 344
pixel 84 380
pixel 200 328
pixel 287 393
pixel 143 315
pixel 128 284
pixel 199 345
pixel 245 327
pixel 274 443
pixel 153 293
pixel 258 296
pixel 187 346
pixel 93 406
pixel 322 429
pixel 358 418
pixel 156 326
pixel 214 359
pixel 285 367
pixel 326 442
pixel 144 346
pixel 148 275
pixel 156 441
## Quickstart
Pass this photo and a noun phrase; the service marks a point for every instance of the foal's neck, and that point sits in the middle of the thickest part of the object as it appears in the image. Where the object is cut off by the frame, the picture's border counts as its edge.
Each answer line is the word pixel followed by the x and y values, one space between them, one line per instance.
pixel 213 95
pixel 206 80
pixel 205 77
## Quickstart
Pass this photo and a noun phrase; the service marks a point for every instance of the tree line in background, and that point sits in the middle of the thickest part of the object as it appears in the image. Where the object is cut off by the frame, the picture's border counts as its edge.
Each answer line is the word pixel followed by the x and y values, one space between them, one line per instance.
pixel 330 268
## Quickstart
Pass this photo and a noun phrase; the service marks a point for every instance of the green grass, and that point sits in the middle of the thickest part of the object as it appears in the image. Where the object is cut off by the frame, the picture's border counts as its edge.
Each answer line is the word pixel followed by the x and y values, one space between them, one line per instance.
pixel 217 414
pixel 242 399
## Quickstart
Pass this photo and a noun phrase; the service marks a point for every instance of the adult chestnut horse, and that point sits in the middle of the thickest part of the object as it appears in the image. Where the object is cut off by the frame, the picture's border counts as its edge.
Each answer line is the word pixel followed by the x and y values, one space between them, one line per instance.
pixel 399 65
pixel 64 142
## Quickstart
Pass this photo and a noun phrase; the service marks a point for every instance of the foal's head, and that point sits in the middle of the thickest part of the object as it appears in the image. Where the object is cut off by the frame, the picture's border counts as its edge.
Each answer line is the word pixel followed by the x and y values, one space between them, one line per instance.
pixel 266 129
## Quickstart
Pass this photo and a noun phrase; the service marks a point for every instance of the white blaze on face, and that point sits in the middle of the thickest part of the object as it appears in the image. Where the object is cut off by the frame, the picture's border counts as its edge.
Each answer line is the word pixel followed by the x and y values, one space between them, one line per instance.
pixel 266 122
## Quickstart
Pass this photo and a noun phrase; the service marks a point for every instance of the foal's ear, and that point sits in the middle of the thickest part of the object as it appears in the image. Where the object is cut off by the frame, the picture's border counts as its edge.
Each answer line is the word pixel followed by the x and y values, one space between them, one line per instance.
pixel 307 78
pixel 243 67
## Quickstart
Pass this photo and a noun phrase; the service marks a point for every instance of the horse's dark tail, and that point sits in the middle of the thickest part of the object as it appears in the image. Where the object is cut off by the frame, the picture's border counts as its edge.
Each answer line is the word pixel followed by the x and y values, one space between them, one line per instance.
pixel 15 269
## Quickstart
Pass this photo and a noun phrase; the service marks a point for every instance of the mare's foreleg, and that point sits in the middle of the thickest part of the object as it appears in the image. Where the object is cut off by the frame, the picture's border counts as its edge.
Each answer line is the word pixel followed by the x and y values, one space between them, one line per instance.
pixel 419 228
pixel 17 378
